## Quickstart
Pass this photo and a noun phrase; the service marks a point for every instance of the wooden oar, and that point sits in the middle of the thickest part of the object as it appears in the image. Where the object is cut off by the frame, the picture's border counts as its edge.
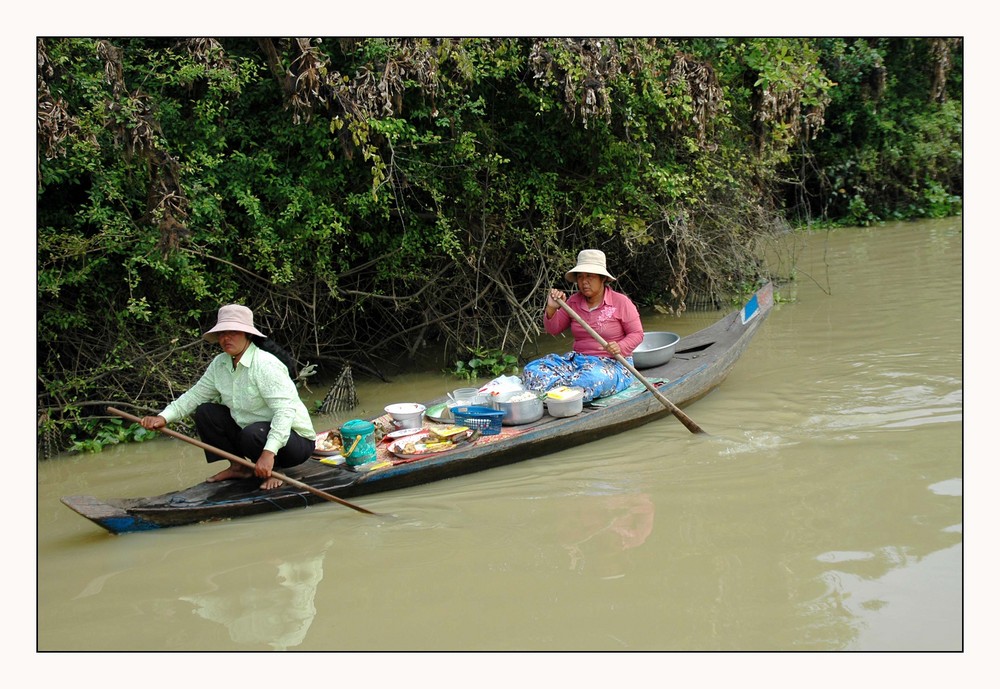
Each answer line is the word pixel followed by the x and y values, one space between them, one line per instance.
pixel 674 409
pixel 245 462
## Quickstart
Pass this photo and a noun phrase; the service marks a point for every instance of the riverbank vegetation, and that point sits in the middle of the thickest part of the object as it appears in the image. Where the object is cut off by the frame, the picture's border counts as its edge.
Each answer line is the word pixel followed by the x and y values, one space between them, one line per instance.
pixel 375 199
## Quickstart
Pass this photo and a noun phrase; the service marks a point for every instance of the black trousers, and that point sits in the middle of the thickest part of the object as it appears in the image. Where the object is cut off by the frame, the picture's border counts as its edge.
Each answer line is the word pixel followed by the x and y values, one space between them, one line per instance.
pixel 217 428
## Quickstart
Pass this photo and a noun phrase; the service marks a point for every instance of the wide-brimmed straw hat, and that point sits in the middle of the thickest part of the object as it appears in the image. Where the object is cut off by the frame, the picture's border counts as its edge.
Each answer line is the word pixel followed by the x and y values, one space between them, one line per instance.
pixel 233 317
pixel 590 261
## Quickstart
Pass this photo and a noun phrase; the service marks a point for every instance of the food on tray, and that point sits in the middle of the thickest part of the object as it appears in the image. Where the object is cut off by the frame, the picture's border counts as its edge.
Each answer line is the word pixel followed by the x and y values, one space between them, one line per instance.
pixel 448 431
pixel 329 442
pixel 433 443
pixel 423 446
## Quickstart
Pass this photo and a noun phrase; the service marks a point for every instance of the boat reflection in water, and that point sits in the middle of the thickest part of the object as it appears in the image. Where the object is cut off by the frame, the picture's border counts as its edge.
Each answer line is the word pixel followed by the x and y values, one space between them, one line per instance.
pixel 601 529
pixel 267 603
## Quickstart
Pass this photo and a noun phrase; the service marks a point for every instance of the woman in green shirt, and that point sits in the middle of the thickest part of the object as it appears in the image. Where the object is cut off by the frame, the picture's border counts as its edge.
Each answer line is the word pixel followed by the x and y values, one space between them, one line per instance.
pixel 245 403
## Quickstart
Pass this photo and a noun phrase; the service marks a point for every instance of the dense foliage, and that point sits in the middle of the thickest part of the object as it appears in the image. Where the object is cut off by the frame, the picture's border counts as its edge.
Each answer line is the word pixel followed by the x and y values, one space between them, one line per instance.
pixel 370 197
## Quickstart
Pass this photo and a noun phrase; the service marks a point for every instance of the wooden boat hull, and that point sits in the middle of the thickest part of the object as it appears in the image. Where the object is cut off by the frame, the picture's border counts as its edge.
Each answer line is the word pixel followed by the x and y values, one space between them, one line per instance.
pixel 700 363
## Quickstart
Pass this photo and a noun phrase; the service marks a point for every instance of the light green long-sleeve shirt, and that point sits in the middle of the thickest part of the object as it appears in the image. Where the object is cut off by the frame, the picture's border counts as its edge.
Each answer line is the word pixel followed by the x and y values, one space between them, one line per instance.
pixel 258 390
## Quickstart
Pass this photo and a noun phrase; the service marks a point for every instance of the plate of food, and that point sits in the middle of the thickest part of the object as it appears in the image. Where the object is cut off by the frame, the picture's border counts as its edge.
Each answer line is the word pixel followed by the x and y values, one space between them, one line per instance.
pixel 403 432
pixel 432 443
pixel 328 444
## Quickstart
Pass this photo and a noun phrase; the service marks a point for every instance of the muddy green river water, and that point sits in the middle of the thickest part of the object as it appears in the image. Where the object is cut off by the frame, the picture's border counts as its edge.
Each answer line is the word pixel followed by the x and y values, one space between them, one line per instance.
pixel 824 513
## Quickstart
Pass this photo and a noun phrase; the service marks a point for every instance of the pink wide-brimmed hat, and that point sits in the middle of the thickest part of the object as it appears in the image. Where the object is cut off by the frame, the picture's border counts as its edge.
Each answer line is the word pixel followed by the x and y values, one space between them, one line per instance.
pixel 233 317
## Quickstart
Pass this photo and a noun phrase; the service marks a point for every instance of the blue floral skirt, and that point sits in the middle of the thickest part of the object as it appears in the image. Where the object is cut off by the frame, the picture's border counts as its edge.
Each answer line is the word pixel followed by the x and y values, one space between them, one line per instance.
pixel 599 376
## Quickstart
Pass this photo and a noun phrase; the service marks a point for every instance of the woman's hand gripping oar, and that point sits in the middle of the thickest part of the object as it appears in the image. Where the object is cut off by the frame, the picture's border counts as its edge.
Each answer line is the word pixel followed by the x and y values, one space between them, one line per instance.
pixel 246 462
pixel 674 409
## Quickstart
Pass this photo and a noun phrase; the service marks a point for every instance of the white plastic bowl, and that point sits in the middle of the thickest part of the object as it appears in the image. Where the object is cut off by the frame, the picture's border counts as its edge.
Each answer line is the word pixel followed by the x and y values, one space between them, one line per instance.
pixel 407 414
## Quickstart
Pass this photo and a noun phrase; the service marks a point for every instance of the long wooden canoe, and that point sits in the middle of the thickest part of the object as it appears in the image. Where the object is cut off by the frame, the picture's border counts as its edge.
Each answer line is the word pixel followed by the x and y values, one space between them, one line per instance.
pixel 700 363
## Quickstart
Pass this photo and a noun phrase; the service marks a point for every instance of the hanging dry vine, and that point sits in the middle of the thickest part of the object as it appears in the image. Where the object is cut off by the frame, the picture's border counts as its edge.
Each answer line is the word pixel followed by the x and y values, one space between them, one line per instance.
pixel 55 124
pixel 699 81
pixel 941 52
pixel 582 68
pixel 132 121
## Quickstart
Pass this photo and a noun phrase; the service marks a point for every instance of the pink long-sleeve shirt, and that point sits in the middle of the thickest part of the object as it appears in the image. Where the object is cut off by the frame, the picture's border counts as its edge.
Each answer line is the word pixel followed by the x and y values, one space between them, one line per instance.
pixel 616 320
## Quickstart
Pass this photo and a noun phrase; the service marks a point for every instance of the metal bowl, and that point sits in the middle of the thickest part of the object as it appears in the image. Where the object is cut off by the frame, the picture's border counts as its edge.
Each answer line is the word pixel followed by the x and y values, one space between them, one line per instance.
pixel 655 349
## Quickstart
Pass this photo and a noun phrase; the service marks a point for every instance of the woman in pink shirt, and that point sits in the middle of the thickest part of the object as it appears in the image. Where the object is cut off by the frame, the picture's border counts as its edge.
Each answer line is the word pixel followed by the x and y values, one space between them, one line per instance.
pixel 610 313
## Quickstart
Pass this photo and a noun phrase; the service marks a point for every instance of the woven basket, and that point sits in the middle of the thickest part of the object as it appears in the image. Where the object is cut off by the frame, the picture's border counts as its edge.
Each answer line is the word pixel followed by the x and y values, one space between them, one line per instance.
pixel 484 419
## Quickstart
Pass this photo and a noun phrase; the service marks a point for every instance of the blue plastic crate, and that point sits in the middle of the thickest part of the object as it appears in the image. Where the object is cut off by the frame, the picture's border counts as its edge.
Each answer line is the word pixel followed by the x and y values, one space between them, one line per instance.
pixel 486 420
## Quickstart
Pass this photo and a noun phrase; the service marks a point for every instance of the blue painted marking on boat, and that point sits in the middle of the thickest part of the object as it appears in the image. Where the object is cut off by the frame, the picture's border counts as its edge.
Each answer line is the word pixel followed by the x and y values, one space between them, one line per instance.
pixel 125 524
pixel 750 309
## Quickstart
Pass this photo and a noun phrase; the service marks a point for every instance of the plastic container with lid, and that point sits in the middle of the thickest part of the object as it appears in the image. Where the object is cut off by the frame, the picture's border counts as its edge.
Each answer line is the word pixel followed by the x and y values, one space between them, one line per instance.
pixel 358 437
pixel 564 401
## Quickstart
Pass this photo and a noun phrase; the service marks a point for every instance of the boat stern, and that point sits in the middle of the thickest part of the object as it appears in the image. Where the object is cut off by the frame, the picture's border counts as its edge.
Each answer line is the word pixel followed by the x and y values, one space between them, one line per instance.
pixel 114 519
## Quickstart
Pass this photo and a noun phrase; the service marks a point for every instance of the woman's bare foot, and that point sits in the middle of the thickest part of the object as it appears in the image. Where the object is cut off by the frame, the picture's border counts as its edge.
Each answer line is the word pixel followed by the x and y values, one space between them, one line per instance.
pixel 234 471
pixel 271 483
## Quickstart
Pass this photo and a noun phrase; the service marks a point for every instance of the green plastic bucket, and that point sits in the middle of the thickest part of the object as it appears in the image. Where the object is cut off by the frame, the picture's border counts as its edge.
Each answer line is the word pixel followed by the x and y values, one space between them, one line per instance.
pixel 359 441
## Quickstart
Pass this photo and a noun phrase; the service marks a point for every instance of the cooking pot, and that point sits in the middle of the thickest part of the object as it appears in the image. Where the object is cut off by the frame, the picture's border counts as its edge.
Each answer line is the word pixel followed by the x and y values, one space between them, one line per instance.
pixel 522 406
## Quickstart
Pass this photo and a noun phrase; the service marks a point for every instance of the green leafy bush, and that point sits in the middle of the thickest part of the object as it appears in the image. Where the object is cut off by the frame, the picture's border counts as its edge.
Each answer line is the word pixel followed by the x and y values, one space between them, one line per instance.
pixel 376 199
pixel 484 364
pixel 98 434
